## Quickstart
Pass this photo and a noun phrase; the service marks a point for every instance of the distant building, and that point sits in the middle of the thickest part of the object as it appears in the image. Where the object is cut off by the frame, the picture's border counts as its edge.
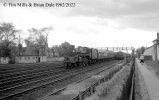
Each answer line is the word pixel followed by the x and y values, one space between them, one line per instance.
pixel 153 51
pixel 29 54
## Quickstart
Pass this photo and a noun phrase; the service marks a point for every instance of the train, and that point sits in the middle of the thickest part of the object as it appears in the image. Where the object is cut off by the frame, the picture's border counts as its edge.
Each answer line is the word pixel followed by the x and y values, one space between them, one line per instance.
pixel 84 56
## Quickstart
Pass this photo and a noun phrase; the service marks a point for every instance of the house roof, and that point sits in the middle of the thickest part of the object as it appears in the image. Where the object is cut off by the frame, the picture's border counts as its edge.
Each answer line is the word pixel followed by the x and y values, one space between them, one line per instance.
pixel 156 40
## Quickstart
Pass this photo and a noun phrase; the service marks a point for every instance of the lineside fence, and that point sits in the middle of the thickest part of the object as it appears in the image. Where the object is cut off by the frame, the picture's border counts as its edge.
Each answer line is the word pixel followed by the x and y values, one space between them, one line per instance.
pixel 110 79
pixel 128 90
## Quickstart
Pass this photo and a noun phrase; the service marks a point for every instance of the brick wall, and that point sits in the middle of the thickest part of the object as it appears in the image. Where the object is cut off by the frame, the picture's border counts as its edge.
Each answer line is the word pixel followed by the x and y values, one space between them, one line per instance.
pixel 150 52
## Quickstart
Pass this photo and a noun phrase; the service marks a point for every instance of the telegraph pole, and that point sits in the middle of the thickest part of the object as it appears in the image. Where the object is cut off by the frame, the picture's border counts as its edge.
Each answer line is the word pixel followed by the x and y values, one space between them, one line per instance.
pixel 156 45
pixel 19 46
pixel 157 53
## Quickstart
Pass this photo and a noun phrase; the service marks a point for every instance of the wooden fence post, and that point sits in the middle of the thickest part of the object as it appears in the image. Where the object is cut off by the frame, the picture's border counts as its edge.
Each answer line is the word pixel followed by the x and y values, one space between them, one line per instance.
pixel 92 89
pixel 80 95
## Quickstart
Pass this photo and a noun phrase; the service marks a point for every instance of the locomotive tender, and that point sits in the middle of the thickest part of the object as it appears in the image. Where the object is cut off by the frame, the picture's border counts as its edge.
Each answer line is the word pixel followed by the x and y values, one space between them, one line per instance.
pixel 84 56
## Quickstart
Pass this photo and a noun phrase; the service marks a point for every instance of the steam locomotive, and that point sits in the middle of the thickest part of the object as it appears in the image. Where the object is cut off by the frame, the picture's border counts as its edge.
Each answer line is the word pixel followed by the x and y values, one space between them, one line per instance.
pixel 84 56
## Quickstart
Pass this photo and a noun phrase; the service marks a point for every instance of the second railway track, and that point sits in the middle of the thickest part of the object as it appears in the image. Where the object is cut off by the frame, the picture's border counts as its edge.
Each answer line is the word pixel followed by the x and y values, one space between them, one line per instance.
pixel 22 88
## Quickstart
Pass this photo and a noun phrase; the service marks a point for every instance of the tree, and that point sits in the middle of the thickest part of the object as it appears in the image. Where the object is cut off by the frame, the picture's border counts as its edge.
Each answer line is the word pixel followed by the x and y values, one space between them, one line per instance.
pixel 4 50
pixel 64 49
pixel 7 38
pixel 55 50
pixel 8 32
pixel 37 40
pixel 39 36
pixel 140 51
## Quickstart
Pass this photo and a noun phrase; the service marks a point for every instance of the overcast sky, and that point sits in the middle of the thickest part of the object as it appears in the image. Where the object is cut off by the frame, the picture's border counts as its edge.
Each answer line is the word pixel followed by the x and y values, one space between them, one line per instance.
pixel 92 23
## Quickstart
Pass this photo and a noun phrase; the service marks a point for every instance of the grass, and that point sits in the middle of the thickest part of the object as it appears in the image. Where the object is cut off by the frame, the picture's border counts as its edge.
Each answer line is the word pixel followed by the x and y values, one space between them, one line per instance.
pixel 102 90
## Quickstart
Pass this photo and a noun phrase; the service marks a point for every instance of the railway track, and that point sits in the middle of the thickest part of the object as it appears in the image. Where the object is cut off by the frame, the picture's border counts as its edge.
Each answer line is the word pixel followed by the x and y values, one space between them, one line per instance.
pixel 10 91
pixel 17 66
pixel 7 83
pixel 22 75
pixel 16 73
pixel 24 68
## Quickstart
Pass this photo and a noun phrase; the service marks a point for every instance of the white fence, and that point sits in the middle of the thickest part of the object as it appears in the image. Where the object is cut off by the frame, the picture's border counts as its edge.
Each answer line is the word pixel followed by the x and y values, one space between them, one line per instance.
pixel 53 59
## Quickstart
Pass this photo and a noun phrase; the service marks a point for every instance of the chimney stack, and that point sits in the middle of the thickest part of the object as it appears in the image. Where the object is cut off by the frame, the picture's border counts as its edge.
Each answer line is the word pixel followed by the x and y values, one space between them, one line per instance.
pixel 157 35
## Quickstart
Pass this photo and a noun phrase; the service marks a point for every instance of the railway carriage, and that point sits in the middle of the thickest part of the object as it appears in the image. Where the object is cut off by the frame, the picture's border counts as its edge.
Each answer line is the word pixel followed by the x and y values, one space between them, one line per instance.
pixel 106 55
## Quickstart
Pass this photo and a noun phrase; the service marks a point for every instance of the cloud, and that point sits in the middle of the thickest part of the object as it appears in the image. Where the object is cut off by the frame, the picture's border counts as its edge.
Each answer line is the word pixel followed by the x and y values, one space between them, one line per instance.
pixel 115 8
pixel 141 14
